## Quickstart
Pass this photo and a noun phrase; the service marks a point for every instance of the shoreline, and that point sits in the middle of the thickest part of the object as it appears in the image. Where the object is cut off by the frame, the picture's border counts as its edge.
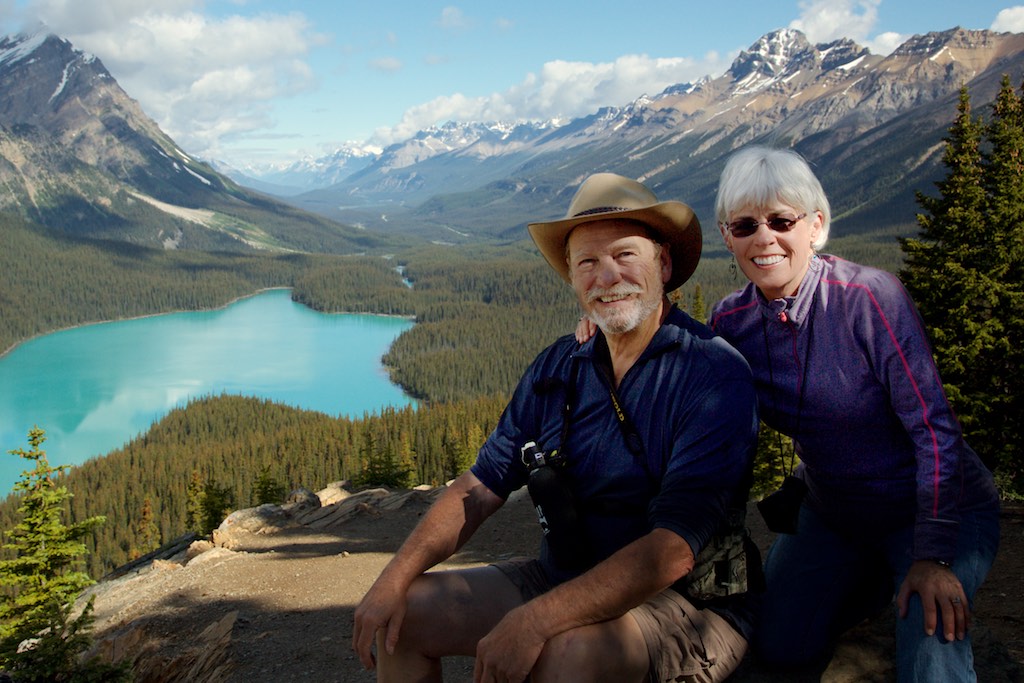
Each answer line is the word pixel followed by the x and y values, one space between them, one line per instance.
pixel 233 301
pixel 291 307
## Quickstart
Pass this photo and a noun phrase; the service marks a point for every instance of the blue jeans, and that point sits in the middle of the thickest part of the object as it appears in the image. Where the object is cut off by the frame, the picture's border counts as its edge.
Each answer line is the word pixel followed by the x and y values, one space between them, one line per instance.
pixel 820 583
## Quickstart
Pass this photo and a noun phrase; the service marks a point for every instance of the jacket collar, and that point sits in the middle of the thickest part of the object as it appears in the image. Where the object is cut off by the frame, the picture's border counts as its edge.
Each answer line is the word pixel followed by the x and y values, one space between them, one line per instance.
pixel 796 308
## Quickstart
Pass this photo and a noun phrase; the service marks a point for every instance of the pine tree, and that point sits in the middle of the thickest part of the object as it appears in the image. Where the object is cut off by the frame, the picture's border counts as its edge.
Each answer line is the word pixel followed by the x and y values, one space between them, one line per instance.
pixel 217 503
pixel 699 308
pixel 960 272
pixel 40 640
pixel 195 504
pixel 147 535
pixel 1004 183
pixel 380 467
pixel 268 489
pixel 940 265
pixel 774 460
pixel 943 270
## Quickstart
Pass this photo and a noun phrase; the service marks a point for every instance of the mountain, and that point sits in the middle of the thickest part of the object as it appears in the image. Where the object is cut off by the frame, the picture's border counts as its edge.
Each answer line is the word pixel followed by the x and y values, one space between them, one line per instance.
pixel 873 127
pixel 79 156
pixel 308 173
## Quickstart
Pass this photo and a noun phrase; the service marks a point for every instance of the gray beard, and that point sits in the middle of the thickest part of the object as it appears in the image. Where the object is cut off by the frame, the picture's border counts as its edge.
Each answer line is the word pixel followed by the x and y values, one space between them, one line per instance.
pixel 628 321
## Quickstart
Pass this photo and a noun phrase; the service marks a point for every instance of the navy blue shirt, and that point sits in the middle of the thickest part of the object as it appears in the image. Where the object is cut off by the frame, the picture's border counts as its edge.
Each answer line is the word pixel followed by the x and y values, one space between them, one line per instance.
pixel 691 398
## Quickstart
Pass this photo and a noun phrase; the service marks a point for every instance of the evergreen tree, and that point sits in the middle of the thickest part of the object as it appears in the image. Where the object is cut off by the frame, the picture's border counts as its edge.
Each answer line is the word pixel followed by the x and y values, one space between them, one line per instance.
pixel 217 503
pixel 944 267
pixel 942 264
pixel 147 535
pixel 381 467
pixel 195 503
pixel 40 640
pixel 775 459
pixel 700 309
pixel 268 489
pixel 1004 184
pixel 957 271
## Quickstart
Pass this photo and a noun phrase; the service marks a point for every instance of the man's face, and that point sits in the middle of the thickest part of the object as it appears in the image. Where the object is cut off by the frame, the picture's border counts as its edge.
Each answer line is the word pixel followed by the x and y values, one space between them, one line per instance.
pixel 618 273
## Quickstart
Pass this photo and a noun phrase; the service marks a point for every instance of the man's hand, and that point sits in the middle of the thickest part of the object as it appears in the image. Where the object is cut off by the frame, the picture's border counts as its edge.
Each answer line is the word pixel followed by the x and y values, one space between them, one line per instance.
pixel 450 521
pixel 508 653
pixel 940 591
pixel 383 607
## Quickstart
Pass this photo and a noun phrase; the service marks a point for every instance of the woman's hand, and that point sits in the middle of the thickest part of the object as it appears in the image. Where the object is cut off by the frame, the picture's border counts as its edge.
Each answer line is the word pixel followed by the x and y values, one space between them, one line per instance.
pixel 940 592
pixel 585 329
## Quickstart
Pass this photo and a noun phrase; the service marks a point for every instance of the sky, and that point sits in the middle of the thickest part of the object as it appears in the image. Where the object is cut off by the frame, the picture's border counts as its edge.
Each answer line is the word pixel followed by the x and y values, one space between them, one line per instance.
pixel 260 83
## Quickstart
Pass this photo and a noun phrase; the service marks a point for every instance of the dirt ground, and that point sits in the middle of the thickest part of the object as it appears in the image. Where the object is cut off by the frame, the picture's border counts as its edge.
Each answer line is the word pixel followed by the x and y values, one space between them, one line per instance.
pixel 278 607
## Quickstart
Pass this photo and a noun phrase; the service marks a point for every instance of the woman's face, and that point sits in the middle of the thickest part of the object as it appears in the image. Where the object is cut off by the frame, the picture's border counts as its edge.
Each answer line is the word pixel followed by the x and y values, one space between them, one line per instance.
pixel 775 260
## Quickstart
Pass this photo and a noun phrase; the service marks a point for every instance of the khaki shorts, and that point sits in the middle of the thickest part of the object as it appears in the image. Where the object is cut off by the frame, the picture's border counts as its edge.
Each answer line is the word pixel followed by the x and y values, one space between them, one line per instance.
pixel 684 643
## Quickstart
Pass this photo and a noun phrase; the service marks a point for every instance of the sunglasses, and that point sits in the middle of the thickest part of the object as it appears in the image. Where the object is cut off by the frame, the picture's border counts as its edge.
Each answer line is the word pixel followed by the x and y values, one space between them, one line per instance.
pixel 745 227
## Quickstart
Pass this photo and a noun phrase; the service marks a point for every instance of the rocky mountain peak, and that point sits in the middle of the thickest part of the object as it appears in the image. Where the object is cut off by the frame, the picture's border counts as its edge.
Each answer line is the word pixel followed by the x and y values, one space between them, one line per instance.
pixel 921 46
pixel 40 74
pixel 775 55
pixel 842 53
pixel 78 154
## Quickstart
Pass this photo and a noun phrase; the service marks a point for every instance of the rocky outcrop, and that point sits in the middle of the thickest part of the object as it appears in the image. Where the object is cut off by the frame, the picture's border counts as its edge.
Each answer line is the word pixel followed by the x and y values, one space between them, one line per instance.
pixel 127 597
pixel 206 659
pixel 279 605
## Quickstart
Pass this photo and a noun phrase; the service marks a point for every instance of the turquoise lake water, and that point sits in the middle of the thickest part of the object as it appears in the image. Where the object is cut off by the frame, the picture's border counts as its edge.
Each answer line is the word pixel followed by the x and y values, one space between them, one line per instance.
pixel 94 388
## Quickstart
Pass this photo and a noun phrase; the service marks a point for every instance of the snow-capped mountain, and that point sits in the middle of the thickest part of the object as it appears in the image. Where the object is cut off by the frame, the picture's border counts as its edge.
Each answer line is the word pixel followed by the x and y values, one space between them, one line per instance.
pixel 873 124
pixel 78 154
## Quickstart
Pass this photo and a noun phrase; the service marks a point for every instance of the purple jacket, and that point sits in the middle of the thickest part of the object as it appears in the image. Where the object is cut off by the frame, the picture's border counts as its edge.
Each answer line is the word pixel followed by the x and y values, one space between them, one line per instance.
pixel 845 369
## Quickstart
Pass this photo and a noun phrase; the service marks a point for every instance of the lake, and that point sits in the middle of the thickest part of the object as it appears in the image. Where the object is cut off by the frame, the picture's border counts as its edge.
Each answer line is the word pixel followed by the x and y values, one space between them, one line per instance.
pixel 96 387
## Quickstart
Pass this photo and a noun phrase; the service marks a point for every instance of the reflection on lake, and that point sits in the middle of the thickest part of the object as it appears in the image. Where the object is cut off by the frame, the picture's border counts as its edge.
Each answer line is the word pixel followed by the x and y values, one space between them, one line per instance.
pixel 94 388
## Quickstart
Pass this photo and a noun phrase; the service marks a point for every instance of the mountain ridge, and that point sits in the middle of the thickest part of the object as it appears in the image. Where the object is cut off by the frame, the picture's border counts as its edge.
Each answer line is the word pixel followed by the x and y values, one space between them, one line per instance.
pixel 78 155
pixel 824 100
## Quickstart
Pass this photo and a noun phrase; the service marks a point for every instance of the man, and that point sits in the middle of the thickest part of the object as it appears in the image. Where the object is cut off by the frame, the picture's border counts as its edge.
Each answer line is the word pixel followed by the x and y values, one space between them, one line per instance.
pixel 645 434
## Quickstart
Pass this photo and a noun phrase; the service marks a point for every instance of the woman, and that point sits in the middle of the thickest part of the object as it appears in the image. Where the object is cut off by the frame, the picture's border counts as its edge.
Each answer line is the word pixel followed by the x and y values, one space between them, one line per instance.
pixel 895 500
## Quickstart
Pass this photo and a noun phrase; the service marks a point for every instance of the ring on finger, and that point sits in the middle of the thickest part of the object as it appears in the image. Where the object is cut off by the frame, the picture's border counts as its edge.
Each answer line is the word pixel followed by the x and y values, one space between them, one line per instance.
pixel 955 600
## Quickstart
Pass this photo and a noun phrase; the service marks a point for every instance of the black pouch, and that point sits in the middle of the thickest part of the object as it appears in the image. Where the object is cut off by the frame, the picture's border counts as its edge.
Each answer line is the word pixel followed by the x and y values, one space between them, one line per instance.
pixel 556 509
pixel 780 510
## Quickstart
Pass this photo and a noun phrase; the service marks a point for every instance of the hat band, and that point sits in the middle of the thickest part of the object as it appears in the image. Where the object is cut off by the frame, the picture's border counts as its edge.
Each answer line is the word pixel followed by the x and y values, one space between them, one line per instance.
pixel 600 209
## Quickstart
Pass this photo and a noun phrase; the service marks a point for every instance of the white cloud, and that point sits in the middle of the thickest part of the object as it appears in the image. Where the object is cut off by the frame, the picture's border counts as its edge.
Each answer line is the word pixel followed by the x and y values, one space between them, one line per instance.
pixel 1010 19
pixel 561 88
pixel 201 79
pixel 386 64
pixel 78 17
pixel 823 21
pixel 885 43
pixel 453 19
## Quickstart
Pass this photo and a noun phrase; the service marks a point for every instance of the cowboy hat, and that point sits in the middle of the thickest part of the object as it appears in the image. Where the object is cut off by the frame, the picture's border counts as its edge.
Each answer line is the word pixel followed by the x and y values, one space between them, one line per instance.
pixel 605 196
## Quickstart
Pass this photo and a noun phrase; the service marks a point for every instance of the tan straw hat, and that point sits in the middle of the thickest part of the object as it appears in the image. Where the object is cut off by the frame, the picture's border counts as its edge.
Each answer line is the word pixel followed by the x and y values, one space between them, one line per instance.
pixel 607 195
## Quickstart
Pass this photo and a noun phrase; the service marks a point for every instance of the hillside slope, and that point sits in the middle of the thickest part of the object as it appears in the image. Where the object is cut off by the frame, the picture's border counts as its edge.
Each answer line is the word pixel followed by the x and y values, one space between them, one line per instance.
pixel 79 155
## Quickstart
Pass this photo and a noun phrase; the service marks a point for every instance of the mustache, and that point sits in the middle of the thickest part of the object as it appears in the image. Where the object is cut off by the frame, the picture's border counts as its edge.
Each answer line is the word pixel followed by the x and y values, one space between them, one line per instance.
pixel 618 290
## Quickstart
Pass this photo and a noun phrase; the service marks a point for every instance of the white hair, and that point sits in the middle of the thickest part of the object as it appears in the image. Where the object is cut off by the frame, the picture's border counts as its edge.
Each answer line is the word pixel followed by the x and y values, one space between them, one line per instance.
pixel 756 177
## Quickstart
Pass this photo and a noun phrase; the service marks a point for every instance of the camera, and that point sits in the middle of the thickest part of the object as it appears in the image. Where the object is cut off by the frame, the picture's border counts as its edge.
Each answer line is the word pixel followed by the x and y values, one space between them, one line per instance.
pixel 556 508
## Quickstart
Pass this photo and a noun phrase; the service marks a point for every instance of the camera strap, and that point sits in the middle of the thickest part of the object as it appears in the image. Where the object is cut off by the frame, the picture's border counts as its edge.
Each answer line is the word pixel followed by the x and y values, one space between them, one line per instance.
pixel 602 365
pixel 635 444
